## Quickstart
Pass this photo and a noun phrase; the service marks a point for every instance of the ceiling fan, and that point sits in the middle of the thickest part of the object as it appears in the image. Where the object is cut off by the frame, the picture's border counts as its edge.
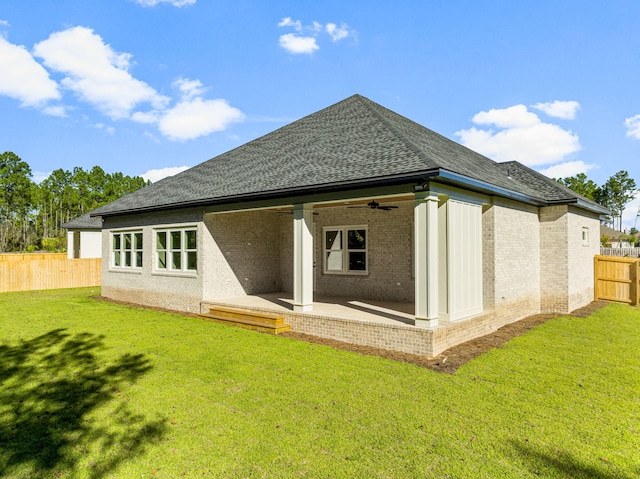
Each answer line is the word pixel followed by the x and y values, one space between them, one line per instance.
pixel 374 205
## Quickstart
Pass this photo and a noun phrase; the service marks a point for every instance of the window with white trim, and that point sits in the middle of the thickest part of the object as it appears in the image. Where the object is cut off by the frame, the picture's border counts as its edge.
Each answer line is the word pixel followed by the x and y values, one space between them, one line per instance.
pixel 585 236
pixel 176 249
pixel 126 249
pixel 345 250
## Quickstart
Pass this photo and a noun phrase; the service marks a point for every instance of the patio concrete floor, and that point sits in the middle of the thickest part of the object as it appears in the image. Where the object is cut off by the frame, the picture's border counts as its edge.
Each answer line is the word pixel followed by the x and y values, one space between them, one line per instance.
pixel 374 311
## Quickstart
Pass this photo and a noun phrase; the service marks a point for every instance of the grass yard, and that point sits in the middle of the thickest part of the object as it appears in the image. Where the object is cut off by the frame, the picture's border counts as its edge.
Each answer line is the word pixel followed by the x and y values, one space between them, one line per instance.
pixel 90 389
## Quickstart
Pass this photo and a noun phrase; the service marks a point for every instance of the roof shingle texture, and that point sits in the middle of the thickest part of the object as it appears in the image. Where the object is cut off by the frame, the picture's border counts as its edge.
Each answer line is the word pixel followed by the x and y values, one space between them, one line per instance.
pixel 349 142
pixel 84 222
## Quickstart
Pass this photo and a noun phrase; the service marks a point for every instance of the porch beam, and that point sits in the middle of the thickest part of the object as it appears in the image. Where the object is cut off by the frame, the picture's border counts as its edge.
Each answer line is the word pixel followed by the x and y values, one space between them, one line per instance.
pixel 426 258
pixel 302 258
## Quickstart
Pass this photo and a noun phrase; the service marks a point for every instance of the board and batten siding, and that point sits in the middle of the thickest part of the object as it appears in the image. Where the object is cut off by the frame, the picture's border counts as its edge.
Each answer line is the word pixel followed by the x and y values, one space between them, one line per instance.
pixel 460 261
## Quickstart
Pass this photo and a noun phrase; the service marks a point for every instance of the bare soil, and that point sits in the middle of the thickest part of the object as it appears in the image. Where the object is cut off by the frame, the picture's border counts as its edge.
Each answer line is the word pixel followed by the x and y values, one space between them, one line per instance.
pixel 446 362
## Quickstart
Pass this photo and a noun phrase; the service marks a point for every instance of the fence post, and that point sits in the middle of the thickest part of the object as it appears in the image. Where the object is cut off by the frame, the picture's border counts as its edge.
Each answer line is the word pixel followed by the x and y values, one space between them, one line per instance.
pixel 635 277
pixel 633 286
pixel 596 293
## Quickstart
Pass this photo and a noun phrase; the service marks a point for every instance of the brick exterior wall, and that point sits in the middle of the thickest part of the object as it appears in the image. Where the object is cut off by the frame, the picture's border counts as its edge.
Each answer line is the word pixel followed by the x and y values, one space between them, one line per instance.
pixel 533 260
pixel 180 292
pixel 390 255
pixel 243 253
pixel 580 264
pixel 511 269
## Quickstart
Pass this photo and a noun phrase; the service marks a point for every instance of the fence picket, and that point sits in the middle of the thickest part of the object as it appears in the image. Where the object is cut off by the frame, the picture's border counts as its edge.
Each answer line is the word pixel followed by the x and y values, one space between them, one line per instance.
pixel 26 272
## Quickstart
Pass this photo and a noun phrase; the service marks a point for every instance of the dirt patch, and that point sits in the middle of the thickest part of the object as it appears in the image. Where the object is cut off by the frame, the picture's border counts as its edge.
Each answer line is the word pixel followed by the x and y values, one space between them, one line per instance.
pixel 450 360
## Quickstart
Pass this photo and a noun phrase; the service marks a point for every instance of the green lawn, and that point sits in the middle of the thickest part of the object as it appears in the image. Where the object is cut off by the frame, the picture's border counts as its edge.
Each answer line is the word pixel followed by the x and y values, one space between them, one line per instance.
pixel 93 389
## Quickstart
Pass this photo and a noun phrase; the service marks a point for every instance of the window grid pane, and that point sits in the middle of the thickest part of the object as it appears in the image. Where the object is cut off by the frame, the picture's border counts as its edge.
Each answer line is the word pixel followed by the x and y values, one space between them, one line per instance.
pixel 345 250
pixel 176 250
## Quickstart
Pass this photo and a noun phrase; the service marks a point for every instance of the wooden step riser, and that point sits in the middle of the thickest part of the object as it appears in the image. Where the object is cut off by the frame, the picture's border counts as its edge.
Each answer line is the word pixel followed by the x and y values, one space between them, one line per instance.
pixel 253 327
pixel 241 316
pixel 265 322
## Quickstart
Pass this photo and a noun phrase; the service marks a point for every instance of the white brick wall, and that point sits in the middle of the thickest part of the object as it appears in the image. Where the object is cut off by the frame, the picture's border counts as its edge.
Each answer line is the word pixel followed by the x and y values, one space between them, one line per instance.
pixel 243 252
pixel 533 260
pixel 389 245
pixel 511 264
pixel 145 286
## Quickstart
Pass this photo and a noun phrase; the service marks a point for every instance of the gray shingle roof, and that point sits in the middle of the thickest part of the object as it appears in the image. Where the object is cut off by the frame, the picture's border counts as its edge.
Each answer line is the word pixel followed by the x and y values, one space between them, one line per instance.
pixel 352 143
pixel 84 222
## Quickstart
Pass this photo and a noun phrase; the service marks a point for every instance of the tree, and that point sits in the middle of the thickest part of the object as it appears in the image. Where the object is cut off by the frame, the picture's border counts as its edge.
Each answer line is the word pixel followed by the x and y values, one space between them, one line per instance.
pixel 31 214
pixel 16 191
pixel 581 185
pixel 616 193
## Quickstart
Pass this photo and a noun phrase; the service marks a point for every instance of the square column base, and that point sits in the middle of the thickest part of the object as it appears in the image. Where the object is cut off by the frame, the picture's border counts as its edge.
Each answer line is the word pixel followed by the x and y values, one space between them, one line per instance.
pixel 302 308
pixel 426 323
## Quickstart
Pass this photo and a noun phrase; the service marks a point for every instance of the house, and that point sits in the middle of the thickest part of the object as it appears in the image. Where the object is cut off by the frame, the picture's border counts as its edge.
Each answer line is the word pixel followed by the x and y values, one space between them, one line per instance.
pixel 84 237
pixel 611 238
pixel 360 225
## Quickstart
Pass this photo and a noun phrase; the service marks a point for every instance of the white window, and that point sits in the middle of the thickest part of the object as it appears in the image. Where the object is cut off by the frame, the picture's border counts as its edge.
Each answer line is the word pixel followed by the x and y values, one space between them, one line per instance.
pixel 345 250
pixel 176 250
pixel 126 249
pixel 585 236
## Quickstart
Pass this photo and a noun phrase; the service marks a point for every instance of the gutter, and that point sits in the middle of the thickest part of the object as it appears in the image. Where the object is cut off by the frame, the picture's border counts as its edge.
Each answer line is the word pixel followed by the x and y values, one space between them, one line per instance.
pixel 420 180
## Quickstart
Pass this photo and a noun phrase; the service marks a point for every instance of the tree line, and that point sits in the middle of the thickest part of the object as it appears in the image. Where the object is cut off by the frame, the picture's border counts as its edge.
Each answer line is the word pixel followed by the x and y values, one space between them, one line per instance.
pixel 31 214
pixel 615 194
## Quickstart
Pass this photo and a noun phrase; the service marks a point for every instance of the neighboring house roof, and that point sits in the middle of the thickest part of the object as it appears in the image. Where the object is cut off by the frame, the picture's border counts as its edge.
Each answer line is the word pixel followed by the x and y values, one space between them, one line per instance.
pixel 84 222
pixel 613 234
pixel 610 232
pixel 354 143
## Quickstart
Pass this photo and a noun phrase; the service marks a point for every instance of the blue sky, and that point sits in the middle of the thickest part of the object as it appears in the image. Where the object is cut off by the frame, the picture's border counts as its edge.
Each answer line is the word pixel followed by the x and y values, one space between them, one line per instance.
pixel 146 87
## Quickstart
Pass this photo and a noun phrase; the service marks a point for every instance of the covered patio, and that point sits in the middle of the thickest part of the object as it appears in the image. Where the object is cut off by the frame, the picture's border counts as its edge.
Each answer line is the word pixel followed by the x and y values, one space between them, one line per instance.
pixel 382 324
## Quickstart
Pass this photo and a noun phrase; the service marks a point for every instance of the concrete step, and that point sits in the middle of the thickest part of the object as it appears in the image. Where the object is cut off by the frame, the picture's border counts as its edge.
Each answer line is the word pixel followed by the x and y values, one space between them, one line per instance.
pixel 272 323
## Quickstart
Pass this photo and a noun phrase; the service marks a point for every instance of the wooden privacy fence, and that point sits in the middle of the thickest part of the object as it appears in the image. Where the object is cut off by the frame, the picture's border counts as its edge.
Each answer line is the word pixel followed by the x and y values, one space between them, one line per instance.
pixel 616 279
pixel 26 272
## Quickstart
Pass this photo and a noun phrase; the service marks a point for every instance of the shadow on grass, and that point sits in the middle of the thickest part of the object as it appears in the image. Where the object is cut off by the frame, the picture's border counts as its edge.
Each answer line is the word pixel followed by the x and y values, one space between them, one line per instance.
pixel 566 465
pixel 49 387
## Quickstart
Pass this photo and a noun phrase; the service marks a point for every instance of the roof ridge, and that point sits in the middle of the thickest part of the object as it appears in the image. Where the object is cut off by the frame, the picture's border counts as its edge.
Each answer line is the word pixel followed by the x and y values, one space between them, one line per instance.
pixel 408 142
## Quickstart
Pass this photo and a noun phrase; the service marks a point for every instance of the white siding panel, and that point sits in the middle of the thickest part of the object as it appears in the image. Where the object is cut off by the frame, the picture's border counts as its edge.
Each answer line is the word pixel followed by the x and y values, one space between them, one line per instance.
pixel 465 259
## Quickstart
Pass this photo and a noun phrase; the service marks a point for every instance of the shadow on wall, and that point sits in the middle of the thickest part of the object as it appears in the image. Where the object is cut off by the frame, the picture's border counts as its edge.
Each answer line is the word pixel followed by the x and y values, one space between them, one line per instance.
pixel 565 464
pixel 250 244
pixel 49 387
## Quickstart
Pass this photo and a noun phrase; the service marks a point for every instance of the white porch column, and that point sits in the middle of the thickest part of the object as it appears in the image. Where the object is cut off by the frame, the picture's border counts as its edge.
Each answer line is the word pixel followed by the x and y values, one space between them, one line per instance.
pixel 302 258
pixel 426 258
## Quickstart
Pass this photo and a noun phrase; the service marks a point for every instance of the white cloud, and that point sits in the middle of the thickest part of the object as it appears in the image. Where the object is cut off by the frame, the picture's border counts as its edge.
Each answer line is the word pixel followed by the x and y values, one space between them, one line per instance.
pixel 146 117
pixel 307 42
pixel 192 118
pixel 633 126
pixel 4 23
pixel 565 110
pixel 175 3
pixel 287 22
pixel 96 72
pixel 337 32
pixel 55 111
pixel 189 88
pixel 100 77
pixel 295 44
pixel 568 168
pixel 630 212
pixel 23 78
pixel 516 116
pixel 521 136
pixel 107 128
pixel 157 175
